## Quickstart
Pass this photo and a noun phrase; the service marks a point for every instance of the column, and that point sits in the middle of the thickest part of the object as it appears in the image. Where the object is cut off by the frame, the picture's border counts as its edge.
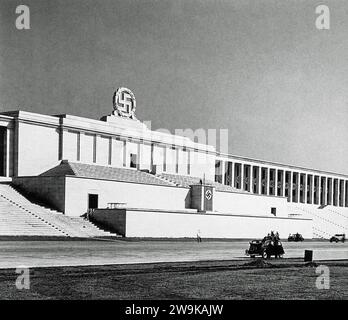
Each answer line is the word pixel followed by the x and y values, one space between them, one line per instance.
pixel 251 179
pixel 313 187
pixel 242 176
pixel 290 187
pixel 283 183
pixel 330 191
pixel 259 182
pixel 343 193
pixel 232 174
pixel 223 171
pixel 95 148
pixel 305 188
pixel 7 146
pixel 320 190
pixel 298 184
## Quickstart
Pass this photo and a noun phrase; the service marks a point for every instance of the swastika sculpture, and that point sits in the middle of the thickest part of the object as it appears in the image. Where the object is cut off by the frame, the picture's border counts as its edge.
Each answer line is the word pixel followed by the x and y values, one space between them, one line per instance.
pixel 124 103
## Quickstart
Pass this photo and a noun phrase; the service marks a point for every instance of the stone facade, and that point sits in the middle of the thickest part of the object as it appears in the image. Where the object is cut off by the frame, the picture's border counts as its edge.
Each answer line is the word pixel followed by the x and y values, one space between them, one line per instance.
pixel 34 143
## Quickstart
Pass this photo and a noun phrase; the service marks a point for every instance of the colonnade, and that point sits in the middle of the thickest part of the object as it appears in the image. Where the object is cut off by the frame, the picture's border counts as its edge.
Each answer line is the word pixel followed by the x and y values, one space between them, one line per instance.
pixel 302 186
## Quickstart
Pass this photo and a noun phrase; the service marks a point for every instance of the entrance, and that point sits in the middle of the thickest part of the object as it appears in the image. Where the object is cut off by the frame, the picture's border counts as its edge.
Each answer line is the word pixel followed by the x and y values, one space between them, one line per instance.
pixel 92 201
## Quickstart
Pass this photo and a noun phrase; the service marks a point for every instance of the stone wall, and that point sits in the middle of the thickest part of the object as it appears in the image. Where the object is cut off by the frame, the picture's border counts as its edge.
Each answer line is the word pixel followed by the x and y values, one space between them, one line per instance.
pixel 49 191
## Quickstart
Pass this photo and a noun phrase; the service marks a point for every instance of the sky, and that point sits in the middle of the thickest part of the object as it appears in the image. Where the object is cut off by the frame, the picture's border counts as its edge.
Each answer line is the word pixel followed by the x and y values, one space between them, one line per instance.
pixel 260 69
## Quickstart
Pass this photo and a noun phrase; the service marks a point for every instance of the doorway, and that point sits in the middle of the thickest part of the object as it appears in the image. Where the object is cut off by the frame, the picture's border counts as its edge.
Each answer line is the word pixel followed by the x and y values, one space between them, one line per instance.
pixel 92 201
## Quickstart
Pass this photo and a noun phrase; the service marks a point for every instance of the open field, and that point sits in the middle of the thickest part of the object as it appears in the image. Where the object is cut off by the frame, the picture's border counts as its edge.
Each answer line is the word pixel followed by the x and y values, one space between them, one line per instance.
pixel 74 253
pixel 275 279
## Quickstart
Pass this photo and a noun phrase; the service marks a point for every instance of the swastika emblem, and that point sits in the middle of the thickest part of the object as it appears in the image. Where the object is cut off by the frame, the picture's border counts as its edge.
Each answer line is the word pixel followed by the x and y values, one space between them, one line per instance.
pixel 124 103
pixel 208 194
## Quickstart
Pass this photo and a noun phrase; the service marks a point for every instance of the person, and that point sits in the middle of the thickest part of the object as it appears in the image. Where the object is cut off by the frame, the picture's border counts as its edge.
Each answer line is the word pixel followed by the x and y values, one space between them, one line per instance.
pixel 199 239
pixel 268 237
pixel 277 236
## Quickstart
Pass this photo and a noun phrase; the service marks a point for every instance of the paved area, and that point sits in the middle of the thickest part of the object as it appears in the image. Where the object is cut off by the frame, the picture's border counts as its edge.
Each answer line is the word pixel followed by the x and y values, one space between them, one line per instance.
pixel 74 253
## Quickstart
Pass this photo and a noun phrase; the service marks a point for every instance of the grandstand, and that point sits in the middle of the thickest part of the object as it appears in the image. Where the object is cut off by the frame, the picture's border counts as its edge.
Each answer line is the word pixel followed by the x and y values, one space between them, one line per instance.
pixel 83 170
pixel 187 181
pixel 20 217
pixel 54 170
pixel 326 220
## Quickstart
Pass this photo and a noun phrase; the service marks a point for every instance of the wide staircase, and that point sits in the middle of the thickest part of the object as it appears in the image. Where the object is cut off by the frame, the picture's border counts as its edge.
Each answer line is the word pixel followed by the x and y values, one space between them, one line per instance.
pixel 327 221
pixel 20 217
pixel 186 181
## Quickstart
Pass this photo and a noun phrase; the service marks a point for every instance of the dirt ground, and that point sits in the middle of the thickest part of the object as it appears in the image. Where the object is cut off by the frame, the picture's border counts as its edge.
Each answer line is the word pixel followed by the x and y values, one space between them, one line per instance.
pixel 254 279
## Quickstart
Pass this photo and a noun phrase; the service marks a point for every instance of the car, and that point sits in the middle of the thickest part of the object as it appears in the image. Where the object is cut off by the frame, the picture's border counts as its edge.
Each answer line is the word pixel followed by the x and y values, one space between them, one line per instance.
pixel 265 248
pixel 338 237
pixel 295 237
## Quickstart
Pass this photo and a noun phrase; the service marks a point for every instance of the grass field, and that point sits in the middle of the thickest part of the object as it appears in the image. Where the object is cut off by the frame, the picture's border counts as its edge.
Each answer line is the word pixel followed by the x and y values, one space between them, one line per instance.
pixel 282 279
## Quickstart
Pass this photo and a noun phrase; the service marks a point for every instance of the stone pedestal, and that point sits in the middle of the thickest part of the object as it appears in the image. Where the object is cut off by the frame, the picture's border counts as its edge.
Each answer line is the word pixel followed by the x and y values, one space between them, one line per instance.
pixel 202 197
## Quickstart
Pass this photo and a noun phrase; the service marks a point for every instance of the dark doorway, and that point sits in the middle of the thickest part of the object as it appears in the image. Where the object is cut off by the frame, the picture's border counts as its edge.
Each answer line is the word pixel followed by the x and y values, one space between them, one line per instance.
pixel 133 160
pixel 92 201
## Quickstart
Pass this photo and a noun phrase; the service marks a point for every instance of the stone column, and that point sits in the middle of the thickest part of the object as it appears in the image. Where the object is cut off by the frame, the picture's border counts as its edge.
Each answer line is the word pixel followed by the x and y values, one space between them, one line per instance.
pixel 320 190
pixel 242 176
pixel 223 170
pixel 250 178
pixel 298 185
pixel 232 174
pixel 291 187
pixel 342 193
pixel 305 188
pixel 7 154
pixel 309 190
pixel 283 183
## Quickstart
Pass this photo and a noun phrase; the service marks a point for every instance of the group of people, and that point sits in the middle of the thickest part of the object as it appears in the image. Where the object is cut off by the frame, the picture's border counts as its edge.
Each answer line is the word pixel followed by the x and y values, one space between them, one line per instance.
pixel 272 236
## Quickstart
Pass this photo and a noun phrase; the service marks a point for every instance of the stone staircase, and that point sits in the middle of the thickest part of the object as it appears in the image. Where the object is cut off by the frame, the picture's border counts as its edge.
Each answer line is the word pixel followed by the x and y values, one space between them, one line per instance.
pixel 326 222
pixel 20 217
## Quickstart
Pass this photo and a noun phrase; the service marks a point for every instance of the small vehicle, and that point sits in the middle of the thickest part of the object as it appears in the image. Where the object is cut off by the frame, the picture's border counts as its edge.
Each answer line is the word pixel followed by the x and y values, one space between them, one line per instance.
pixel 265 248
pixel 338 237
pixel 295 237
